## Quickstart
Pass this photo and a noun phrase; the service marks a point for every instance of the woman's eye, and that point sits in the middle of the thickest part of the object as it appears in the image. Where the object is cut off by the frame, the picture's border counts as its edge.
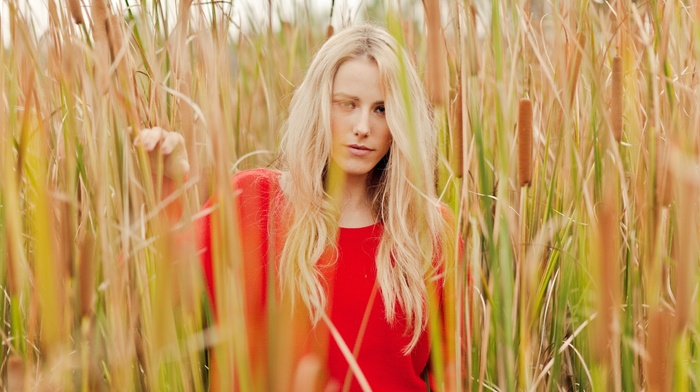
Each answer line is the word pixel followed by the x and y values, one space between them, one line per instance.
pixel 347 104
pixel 380 110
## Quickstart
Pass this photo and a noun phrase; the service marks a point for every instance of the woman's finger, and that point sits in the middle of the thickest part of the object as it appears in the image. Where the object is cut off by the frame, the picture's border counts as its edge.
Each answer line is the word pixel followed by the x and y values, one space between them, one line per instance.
pixel 172 147
pixel 170 142
pixel 149 138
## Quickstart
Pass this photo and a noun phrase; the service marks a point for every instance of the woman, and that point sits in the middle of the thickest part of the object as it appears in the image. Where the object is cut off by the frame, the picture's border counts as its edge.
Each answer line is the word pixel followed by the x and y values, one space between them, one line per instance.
pixel 350 216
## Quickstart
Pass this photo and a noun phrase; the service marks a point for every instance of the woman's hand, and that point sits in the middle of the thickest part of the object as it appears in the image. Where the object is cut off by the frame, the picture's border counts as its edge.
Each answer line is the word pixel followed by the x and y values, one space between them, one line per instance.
pixel 168 146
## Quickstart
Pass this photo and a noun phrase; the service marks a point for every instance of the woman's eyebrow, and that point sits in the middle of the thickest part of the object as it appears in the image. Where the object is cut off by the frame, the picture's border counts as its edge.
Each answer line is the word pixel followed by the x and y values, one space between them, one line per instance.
pixel 342 95
pixel 345 96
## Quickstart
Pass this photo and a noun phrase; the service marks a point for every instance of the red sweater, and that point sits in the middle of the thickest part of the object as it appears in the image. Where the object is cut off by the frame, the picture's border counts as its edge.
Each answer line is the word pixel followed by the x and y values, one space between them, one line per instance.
pixel 350 284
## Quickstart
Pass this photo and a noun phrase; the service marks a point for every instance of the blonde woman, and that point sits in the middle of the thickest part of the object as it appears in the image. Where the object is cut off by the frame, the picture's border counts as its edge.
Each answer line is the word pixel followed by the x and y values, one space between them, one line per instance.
pixel 349 218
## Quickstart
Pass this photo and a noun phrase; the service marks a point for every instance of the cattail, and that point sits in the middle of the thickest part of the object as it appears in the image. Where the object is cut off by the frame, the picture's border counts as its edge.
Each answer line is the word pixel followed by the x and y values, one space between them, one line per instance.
pixel 436 82
pixel 329 31
pixel 75 11
pixel 607 282
pixel 101 45
pixel 659 340
pixel 86 273
pixel 457 137
pixel 616 99
pixel 15 374
pixel 409 40
pixel 114 35
pixel 686 260
pixel 575 69
pixel 472 52
pixel 99 20
pixel 664 186
pixel 306 374
pixel 525 142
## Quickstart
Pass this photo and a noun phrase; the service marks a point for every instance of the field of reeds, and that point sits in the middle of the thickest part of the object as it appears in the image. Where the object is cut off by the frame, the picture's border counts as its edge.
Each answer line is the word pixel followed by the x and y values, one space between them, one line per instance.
pixel 569 153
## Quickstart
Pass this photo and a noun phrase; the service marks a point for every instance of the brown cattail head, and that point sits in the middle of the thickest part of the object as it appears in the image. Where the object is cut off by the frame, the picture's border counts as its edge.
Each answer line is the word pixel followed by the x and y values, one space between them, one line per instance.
pixel 606 325
pixel 436 66
pixel 525 142
pixel 75 11
pixel 86 272
pixel 99 20
pixel 329 31
pixel 685 244
pixel 575 67
pixel 616 103
pixel 409 40
pixel 307 373
pixel 114 35
pixel 659 341
pixel 664 182
pixel 99 32
pixel 15 374
pixel 457 137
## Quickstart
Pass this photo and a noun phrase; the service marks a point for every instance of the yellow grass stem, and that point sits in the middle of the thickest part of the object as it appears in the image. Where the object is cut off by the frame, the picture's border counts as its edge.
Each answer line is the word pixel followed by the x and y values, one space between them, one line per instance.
pixel 525 142
pixel 457 135
pixel 616 100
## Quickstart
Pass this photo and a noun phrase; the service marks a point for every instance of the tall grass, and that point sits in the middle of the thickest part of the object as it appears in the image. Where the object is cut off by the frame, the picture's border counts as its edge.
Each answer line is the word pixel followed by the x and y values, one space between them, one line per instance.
pixel 585 279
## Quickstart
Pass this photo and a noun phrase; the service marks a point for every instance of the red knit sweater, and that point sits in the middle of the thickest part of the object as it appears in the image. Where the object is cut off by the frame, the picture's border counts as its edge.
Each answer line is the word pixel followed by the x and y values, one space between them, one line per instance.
pixel 351 291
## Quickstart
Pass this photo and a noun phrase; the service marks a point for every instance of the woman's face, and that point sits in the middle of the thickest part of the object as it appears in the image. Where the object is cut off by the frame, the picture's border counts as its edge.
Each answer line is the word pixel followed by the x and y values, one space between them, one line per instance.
pixel 360 133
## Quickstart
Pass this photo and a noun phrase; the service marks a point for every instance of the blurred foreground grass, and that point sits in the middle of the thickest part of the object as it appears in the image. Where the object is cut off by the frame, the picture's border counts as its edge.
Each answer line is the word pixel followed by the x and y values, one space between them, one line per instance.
pixel 583 251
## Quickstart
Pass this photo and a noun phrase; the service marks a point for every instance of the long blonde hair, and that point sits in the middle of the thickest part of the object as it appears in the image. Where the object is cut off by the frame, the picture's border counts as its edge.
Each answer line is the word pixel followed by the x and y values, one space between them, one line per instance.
pixel 401 186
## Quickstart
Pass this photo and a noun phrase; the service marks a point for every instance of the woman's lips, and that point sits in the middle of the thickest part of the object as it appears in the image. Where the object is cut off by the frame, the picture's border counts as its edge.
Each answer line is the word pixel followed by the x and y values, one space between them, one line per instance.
pixel 359 150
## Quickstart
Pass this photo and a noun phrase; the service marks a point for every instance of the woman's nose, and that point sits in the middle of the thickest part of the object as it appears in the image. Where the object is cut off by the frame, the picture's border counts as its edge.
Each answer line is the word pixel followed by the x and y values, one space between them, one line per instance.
pixel 362 125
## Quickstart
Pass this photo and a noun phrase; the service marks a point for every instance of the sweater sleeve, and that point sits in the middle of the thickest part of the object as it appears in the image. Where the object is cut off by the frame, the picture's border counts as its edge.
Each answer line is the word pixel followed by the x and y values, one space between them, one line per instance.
pixel 250 199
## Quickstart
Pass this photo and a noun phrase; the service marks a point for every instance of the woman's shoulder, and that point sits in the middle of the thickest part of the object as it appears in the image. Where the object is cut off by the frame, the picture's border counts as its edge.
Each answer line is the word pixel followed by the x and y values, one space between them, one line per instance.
pixel 256 176
pixel 256 180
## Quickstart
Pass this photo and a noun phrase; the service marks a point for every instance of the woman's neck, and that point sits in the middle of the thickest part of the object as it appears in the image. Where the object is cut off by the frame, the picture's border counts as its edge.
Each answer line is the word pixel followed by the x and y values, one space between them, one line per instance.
pixel 355 208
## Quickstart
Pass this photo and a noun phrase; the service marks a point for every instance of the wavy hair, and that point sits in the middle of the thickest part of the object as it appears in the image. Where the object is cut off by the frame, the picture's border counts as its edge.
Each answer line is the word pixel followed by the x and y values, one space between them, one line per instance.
pixel 401 186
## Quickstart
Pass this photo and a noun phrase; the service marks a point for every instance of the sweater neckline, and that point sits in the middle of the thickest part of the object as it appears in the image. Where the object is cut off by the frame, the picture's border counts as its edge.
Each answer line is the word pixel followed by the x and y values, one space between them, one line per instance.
pixel 361 228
